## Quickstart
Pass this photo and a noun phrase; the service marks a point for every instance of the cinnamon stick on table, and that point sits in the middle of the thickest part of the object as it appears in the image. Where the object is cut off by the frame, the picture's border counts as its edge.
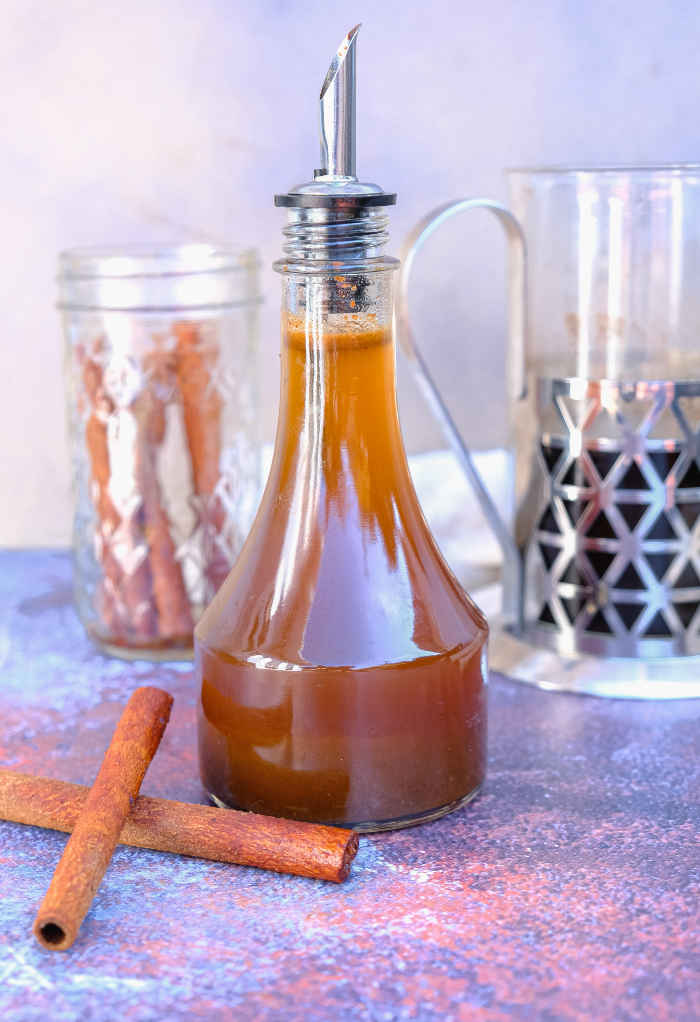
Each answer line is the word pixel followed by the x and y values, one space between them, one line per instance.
pixel 97 828
pixel 225 835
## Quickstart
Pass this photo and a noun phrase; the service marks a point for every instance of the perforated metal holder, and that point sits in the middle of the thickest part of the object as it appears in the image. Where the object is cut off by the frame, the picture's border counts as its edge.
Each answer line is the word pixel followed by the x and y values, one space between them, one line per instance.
pixel 612 568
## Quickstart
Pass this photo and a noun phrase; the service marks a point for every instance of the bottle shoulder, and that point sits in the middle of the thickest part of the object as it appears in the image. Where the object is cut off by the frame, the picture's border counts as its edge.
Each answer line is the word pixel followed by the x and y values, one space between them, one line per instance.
pixel 346 595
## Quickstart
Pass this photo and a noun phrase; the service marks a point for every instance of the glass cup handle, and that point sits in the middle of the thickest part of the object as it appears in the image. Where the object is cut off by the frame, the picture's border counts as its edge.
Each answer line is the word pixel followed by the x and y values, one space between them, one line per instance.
pixel 512 575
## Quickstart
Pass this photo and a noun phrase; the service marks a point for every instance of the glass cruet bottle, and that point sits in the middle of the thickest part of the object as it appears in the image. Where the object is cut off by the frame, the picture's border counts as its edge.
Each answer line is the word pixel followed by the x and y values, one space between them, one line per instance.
pixel 341 667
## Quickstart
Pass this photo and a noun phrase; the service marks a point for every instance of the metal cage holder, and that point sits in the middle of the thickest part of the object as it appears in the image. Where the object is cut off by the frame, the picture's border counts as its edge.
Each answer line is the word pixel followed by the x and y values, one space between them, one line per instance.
pixel 612 567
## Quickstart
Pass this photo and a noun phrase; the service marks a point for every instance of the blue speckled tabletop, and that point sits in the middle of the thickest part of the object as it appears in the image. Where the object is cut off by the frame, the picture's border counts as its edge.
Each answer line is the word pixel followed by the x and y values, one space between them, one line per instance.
pixel 568 890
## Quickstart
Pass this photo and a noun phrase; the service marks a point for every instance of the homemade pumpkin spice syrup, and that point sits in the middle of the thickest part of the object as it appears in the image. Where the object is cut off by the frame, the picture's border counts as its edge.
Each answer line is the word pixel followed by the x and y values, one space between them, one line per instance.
pixel 341 666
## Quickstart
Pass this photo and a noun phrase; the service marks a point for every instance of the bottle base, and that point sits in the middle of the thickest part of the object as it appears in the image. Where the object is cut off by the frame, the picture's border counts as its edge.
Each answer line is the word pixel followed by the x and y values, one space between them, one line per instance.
pixel 377 826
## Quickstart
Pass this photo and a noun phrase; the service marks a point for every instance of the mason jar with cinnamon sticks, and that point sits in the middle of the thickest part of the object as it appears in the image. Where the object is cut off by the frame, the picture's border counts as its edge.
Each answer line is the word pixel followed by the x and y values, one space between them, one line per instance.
pixel 161 374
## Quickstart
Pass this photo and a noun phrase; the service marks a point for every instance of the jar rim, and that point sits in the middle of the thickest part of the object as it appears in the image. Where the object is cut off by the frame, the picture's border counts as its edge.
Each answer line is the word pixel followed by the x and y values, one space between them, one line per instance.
pixel 144 260
pixel 609 168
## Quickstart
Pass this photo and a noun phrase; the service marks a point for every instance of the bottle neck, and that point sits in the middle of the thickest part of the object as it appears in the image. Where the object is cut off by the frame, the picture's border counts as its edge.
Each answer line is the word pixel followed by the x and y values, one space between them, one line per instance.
pixel 330 241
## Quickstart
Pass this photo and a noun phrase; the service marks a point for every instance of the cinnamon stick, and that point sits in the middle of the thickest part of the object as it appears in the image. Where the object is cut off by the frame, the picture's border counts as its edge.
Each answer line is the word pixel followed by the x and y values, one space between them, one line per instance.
pixel 123 600
pixel 202 406
pixel 224 835
pixel 105 809
pixel 172 602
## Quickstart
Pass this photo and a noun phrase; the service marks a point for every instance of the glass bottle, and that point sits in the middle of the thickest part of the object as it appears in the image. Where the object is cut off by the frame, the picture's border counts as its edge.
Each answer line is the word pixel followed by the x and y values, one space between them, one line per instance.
pixel 342 668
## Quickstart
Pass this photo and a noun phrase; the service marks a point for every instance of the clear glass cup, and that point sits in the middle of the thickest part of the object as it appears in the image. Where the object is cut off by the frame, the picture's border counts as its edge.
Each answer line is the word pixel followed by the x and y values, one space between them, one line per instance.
pixel 607 465
pixel 601 579
pixel 613 270
pixel 162 385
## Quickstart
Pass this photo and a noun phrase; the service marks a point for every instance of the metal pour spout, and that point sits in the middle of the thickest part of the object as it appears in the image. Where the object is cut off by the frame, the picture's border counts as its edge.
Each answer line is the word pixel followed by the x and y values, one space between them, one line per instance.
pixel 335 186
pixel 336 113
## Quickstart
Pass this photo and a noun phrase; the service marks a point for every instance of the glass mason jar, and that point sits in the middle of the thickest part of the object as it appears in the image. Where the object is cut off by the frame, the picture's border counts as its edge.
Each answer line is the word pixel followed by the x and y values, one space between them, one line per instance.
pixel 342 669
pixel 162 382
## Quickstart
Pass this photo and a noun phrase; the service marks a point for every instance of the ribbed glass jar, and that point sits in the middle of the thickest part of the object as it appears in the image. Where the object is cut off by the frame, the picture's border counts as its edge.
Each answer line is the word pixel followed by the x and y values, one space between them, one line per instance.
pixel 162 384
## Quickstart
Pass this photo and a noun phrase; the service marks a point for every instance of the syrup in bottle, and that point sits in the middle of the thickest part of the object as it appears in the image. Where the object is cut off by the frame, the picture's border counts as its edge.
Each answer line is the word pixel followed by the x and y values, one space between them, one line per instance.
pixel 341 667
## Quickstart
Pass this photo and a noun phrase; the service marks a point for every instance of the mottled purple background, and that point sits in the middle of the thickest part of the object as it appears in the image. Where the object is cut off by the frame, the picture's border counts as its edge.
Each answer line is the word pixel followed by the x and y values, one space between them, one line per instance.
pixel 568 890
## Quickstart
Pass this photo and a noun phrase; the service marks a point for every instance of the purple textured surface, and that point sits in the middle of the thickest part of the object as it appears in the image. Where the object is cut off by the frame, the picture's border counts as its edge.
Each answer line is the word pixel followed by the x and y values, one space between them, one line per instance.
pixel 568 890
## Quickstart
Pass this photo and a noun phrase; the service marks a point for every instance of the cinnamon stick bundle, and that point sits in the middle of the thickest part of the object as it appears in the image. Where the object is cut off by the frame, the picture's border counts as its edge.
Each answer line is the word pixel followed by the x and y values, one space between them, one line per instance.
pixel 105 809
pixel 224 835
pixel 147 603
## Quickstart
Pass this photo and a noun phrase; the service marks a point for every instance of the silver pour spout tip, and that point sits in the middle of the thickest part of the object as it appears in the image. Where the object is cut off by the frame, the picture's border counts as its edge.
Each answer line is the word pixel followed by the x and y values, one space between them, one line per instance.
pixel 336 113
pixel 335 186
